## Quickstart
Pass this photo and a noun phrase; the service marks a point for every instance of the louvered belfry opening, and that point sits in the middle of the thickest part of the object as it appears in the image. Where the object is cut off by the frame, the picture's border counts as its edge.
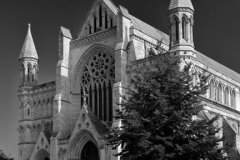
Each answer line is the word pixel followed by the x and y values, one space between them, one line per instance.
pixel 97 80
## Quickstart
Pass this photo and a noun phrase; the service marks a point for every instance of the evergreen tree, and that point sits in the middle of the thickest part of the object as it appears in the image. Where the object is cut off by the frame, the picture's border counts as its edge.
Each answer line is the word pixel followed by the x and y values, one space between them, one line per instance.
pixel 4 157
pixel 159 116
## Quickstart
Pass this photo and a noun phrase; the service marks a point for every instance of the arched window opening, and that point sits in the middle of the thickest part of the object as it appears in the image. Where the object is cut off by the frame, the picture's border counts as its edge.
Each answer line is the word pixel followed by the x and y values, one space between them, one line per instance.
pixel 100 16
pixel 219 93
pixel 33 73
pixel 106 20
pixel 226 98
pixel 95 24
pixel 29 72
pixel 184 28
pixel 28 112
pixel 89 29
pixel 233 99
pixel 111 22
pixel 22 73
pixel 215 92
pixel 97 80
pixel 177 29
pixel 212 90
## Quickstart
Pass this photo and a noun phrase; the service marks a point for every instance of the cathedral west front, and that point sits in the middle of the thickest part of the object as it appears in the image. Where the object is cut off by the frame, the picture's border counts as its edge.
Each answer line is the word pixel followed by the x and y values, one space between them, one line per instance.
pixel 67 119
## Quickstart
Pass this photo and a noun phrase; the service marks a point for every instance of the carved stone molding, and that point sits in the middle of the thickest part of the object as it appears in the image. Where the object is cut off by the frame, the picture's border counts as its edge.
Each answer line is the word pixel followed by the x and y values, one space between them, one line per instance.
pixel 93 37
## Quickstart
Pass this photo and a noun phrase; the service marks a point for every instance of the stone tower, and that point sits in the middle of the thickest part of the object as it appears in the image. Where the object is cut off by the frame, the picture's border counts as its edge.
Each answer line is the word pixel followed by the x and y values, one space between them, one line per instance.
pixel 180 15
pixel 28 62
pixel 28 65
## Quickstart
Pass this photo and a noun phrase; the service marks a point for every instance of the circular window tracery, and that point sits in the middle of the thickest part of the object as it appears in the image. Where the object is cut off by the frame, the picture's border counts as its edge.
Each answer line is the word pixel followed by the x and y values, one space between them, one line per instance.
pixel 85 77
pixel 99 64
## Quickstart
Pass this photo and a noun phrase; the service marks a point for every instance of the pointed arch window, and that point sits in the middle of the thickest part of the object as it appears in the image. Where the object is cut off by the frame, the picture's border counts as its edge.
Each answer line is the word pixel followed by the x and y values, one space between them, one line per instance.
pixel 29 72
pixel 33 73
pixel 100 16
pixel 212 89
pixel 177 28
pixel 233 99
pixel 97 80
pixel 111 22
pixel 89 29
pixel 106 20
pixel 184 28
pixel 22 73
pixel 95 23
pixel 226 97
pixel 28 112
pixel 219 93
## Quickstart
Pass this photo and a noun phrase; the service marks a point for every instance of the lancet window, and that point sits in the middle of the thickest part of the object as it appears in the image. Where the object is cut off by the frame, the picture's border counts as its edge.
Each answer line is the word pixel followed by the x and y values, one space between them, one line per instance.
pixel 34 71
pixel 226 98
pixel 106 20
pixel 233 99
pixel 111 22
pixel 22 73
pixel 90 29
pixel 29 72
pixel 184 28
pixel 219 93
pixel 212 90
pixel 97 80
pixel 95 24
pixel 177 29
pixel 100 16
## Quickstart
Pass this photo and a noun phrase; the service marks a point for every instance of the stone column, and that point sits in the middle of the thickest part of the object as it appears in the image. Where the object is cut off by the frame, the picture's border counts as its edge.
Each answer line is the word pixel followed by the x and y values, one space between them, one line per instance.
pixel 53 148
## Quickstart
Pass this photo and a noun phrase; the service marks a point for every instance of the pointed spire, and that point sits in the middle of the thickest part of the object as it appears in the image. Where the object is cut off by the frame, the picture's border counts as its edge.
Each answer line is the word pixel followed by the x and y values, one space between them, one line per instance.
pixel 28 49
pixel 181 4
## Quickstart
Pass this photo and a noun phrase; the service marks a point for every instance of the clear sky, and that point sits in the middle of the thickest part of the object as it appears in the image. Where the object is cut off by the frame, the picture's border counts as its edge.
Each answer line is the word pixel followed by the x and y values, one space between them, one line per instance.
pixel 216 34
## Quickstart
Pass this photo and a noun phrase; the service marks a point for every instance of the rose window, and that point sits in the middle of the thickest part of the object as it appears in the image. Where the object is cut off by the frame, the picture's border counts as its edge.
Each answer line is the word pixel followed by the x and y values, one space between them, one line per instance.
pixel 99 64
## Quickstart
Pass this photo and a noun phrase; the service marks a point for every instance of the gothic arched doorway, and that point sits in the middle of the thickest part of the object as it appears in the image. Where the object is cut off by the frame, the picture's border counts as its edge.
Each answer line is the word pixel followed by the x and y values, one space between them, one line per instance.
pixel 42 155
pixel 83 146
pixel 89 152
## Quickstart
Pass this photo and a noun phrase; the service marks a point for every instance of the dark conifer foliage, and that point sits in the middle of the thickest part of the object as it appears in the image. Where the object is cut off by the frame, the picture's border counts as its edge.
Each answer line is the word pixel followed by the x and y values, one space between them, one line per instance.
pixel 3 156
pixel 158 116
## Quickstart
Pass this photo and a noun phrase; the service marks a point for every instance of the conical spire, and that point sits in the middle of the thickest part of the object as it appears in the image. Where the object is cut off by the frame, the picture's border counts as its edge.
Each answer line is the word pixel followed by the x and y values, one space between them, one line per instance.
pixel 28 49
pixel 180 4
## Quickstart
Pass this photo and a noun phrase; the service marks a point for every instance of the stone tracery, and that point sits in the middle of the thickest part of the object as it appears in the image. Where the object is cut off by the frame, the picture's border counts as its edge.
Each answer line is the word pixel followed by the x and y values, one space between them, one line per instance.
pixel 97 79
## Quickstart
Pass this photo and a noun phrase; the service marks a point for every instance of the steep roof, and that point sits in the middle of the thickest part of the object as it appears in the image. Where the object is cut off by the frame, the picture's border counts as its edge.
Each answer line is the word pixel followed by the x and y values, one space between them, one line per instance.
pixel 149 30
pixel 181 3
pixel 217 66
pixel 144 27
pixel 155 33
pixel 28 49
pixel 100 127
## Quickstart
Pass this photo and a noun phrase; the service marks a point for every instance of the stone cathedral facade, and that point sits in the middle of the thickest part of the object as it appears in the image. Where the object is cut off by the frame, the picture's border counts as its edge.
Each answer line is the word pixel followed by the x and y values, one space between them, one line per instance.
pixel 57 122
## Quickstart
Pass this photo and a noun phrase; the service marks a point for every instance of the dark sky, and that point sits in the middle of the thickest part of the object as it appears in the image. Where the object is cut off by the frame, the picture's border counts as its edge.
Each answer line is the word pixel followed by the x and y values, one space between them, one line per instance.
pixel 216 34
